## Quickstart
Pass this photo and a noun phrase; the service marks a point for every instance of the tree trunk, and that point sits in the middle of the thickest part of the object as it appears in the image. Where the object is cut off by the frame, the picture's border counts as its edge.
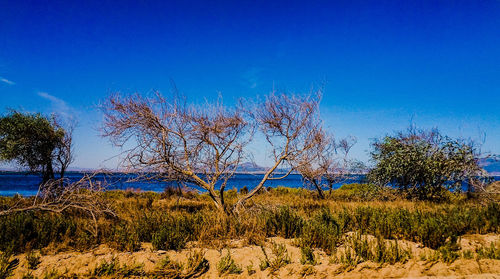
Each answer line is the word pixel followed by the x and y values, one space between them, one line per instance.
pixel 318 187
pixel 47 173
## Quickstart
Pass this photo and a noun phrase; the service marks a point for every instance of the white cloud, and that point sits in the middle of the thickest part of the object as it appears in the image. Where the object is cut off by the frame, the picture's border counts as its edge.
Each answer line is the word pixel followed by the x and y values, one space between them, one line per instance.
pixel 59 106
pixel 9 82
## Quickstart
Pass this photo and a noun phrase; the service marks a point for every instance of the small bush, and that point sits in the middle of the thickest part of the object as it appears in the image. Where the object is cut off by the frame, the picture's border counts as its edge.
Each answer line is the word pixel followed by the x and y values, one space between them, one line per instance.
pixel 167 268
pixel 113 268
pixel 196 265
pixel 359 249
pixel 126 238
pixel 491 252
pixel 323 231
pixel 284 222
pixel 7 265
pixel 449 251
pixel 170 237
pixel 244 190
pixel 28 275
pixel 307 256
pixel 250 269
pixel 33 260
pixel 226 265
pixel 279 259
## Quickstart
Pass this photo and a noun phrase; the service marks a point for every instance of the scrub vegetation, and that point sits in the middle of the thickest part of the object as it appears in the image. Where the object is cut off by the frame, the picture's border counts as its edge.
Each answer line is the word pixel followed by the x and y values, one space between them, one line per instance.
pixel 347 225
pixel 424 193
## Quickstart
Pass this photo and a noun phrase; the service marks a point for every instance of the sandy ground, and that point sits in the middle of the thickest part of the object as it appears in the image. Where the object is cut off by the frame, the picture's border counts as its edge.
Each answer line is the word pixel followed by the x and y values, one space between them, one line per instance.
pixel 82 263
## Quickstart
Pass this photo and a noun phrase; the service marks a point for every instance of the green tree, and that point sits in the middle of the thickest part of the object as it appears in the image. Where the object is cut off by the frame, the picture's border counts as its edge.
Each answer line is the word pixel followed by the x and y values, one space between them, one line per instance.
pixel 36 142
pixel 424 163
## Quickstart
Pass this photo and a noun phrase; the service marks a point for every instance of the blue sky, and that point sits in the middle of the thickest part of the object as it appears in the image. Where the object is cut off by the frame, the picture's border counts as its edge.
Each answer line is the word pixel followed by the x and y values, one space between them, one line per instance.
pixel 384 63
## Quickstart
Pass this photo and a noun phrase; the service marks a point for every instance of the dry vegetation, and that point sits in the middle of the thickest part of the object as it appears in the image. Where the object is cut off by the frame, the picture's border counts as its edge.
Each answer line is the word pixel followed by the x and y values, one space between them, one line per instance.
pixel 356 231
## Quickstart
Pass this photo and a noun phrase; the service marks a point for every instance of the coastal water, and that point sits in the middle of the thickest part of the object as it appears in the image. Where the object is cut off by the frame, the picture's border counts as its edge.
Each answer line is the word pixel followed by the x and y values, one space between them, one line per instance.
pixel 25 184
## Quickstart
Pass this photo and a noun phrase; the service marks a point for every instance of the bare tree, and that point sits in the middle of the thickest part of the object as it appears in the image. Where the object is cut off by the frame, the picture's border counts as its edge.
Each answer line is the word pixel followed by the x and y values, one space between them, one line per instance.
pixel 84 195
pixel 200 145
pixel 64 153
pixel 327 163
pixel 203 145
pixel 291 126
pixel 341 167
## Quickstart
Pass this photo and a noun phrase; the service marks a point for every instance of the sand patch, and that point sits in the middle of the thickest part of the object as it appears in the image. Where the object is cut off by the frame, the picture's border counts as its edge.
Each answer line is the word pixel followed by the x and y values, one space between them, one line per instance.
pixel 82 263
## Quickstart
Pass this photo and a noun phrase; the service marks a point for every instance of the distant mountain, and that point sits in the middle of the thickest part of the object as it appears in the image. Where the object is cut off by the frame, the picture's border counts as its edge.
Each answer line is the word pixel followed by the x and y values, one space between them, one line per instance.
pixel 490 165
pixel 251 167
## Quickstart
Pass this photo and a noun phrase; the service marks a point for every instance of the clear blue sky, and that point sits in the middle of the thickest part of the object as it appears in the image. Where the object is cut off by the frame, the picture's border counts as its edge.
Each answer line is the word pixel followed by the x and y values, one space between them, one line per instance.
pixel 384 62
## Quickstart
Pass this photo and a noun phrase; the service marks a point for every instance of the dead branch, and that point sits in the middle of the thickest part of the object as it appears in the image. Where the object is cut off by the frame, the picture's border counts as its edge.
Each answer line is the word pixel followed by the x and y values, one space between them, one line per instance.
pixel 291 126
pixel 198 145
pixel 57 196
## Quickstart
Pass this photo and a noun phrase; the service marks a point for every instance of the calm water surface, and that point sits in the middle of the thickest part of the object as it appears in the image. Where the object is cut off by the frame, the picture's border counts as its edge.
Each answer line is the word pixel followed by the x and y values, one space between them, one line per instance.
pixel 12 183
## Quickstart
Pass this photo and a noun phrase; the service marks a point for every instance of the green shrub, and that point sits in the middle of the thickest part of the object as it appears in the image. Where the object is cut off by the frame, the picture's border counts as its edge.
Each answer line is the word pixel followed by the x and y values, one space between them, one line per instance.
pixel 244 190
pixel 279 259
pixel 449 251
pixel 424 163
pixel 359 249
pixel 250 270
pixel 175 232
pixel 226 265
pixel 195 266
pixel 359 192
pixel 37 229
pixel 168 238
pixel 114 269
pixel 307 256
pixel 284 222
pixel 323 231
pixel 307 270
pixel 125 238
pixel 167 268
pixel 491 252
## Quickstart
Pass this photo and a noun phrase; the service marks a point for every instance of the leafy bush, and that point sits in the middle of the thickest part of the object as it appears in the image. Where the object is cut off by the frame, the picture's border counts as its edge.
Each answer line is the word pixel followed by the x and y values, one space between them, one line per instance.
pixel 424 163
pixel 37 229
pixel 362 192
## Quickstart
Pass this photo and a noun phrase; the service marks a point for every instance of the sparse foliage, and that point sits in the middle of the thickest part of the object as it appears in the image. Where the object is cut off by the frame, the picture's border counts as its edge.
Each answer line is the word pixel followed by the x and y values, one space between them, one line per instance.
pixel 203 145
pixel 200 145
pixel 327 162
pixel 291 126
